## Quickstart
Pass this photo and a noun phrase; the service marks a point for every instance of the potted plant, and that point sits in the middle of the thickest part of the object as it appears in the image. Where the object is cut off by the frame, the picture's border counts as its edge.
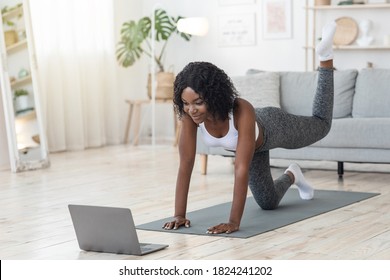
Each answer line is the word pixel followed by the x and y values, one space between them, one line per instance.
pixel 22 101
pixel 136 41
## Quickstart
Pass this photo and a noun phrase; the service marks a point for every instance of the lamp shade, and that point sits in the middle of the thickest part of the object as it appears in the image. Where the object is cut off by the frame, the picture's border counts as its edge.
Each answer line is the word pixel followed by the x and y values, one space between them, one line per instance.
pixel 197 26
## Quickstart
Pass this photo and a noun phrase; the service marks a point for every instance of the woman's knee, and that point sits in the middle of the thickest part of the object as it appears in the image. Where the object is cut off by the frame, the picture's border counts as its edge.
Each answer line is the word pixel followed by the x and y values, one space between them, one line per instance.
pixel 322 129
pixel 268 206
pixel 265 203
pixel 327 125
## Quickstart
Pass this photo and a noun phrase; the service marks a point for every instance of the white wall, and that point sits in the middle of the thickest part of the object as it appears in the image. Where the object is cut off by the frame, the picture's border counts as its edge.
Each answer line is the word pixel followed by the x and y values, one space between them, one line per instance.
pixel 280 54
pixel 266 54
pixel 272 55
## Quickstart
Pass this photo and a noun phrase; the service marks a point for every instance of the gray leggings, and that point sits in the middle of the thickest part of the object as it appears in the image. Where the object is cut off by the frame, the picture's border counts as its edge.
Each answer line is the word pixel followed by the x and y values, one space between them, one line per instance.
pixel 283 130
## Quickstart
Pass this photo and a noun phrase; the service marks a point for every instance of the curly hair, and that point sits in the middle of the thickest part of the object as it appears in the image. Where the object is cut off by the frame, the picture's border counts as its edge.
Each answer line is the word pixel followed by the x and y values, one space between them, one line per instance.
pixel 212 84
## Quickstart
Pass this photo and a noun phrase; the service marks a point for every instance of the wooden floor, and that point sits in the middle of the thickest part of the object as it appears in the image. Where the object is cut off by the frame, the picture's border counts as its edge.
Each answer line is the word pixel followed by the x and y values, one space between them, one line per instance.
pixel 35 223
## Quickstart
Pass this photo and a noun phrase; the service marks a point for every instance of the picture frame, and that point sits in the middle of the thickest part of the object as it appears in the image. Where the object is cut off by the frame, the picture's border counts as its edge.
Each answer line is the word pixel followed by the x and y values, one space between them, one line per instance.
pixel 277 19
pixel 236 30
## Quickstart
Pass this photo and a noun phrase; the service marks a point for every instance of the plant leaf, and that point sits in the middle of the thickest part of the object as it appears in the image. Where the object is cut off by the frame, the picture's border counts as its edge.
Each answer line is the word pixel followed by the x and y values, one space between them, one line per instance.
pixel 135 35
pixel 132 36
pixel 163 25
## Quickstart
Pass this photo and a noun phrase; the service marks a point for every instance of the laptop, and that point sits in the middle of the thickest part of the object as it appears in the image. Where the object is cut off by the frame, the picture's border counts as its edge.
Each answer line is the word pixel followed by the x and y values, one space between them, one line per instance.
pixel 108 230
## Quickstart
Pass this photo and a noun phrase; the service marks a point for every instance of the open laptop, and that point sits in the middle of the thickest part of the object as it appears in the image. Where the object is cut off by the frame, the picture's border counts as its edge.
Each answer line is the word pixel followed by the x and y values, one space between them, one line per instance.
pixel 109 230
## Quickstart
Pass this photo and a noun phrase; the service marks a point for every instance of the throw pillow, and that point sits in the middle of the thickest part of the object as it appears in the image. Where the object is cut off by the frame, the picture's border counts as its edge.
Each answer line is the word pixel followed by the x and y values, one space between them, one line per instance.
pixel 372 97
pixel 260 89
pixel 298 90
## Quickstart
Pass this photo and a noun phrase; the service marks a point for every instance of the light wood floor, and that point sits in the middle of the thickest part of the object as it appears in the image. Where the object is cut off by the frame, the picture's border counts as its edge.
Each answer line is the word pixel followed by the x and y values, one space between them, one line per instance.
pixel 35 223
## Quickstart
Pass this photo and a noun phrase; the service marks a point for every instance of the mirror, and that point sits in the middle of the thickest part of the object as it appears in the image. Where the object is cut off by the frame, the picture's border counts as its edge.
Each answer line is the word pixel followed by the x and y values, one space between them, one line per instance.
pixel 20 89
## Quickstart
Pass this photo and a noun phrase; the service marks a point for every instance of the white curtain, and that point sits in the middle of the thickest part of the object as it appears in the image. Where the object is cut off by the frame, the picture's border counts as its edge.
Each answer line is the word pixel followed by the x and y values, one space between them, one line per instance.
pixel 75 48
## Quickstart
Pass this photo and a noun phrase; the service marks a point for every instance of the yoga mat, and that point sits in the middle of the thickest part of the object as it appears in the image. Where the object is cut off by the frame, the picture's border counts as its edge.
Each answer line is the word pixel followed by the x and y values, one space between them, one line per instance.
pixel 256 221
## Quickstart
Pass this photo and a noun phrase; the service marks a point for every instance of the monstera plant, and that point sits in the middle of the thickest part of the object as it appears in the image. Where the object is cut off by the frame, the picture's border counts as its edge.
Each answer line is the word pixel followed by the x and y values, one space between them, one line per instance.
pixel 136 41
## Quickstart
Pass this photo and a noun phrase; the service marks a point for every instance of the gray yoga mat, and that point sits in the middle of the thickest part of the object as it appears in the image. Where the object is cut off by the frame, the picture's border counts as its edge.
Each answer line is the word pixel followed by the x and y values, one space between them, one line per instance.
pixel 256 221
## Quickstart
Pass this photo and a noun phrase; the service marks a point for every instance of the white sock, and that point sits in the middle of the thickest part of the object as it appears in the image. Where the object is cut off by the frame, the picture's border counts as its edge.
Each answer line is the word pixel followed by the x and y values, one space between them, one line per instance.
pixel 305 190
pixel 324 49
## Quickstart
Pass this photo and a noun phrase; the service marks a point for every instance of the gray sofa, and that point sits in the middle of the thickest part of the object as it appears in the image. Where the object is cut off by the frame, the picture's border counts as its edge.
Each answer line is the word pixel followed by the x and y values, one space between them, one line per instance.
pixel 360 130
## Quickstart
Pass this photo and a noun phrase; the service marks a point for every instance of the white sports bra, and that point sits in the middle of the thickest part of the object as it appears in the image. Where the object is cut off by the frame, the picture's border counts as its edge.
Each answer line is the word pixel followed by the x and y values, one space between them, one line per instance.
pixel 229 141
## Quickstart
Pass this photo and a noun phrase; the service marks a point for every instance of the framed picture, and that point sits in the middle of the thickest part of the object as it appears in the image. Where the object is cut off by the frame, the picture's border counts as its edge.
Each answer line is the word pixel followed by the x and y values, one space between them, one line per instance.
pixel 235 2
pixel 277 19
pixel 236 30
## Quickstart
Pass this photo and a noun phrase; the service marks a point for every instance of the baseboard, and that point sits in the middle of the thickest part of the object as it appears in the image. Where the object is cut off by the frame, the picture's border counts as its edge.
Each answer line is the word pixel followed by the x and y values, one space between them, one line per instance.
pixel 4 167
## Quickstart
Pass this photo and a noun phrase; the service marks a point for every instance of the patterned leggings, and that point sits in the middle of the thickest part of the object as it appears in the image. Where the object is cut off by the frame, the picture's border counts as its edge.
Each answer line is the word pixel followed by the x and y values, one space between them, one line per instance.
pixel 283 130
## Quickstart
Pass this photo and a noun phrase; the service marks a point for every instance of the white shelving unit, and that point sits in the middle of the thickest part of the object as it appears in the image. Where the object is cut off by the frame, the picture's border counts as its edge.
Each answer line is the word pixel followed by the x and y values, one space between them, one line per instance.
pixel 26 139
pixel 312 33
pixel 19 48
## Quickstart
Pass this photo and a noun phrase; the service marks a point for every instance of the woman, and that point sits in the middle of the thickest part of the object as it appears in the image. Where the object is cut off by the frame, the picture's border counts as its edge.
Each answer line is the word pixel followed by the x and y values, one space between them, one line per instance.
pixel 205 97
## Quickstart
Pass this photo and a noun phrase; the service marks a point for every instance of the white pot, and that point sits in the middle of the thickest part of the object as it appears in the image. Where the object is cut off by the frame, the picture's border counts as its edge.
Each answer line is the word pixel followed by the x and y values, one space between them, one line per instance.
pixel 22 103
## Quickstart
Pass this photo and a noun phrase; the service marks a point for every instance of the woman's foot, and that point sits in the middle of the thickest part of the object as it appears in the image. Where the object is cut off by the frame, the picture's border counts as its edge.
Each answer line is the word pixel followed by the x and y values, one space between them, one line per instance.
pixel 306 191
pixel 324 49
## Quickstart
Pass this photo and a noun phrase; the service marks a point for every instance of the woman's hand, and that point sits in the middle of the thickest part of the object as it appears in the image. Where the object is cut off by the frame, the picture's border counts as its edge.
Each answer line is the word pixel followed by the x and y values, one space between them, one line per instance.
pixel 178 222
pixel 223 228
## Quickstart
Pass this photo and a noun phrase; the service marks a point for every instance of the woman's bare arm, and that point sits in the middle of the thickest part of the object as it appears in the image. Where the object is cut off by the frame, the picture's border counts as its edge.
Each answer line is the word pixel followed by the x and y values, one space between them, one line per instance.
pixel 245 123
pixel 187 150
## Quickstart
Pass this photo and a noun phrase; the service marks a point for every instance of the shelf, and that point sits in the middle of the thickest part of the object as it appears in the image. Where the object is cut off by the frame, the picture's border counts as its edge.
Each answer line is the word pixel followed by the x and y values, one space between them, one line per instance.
pixel 18 46
pixel 355 47
pixel 349 7
pixel 26 114
pixel 312 33
pixel 21 82
pixel 13 13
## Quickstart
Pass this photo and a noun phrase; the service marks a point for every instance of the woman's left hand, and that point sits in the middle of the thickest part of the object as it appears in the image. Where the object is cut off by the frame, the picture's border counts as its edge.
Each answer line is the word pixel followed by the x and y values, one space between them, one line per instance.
pixel 223 228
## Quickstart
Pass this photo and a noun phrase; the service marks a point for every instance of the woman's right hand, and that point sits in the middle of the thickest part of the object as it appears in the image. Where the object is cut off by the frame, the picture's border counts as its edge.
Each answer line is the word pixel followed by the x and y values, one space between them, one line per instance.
pixel 178 222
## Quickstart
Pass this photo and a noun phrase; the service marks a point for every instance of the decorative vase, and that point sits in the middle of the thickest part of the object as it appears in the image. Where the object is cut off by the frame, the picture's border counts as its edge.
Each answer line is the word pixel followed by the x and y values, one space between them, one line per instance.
pixel 23 73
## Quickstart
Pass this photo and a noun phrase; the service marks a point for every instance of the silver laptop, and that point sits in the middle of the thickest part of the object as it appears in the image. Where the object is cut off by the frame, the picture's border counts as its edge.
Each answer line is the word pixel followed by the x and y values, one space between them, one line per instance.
pixel 109 230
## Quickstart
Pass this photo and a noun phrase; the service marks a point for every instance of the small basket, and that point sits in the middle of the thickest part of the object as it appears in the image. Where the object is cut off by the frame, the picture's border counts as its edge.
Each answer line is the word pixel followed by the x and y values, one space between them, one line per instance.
pixel 164 88
pixel 322 2
pixel 11 37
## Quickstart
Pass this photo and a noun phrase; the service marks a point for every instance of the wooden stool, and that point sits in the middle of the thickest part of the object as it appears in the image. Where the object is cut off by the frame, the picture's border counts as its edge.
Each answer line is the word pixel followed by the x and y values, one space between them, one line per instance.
pixel 135 115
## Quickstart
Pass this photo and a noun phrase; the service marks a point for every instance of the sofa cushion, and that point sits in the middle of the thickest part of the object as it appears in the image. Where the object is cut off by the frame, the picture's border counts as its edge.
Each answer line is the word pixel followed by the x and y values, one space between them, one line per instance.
pixel 260 89
pixel 298 90
pixel 358 133
pixel 372 97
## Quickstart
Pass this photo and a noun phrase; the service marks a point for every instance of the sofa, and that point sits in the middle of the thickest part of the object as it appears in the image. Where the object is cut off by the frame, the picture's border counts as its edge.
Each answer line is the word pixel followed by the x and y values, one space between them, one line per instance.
pixel 360 131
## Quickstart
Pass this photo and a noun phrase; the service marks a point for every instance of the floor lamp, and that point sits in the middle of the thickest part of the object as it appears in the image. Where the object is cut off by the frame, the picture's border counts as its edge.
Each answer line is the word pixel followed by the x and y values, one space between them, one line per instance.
pixel 196 26
pixel 153 71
